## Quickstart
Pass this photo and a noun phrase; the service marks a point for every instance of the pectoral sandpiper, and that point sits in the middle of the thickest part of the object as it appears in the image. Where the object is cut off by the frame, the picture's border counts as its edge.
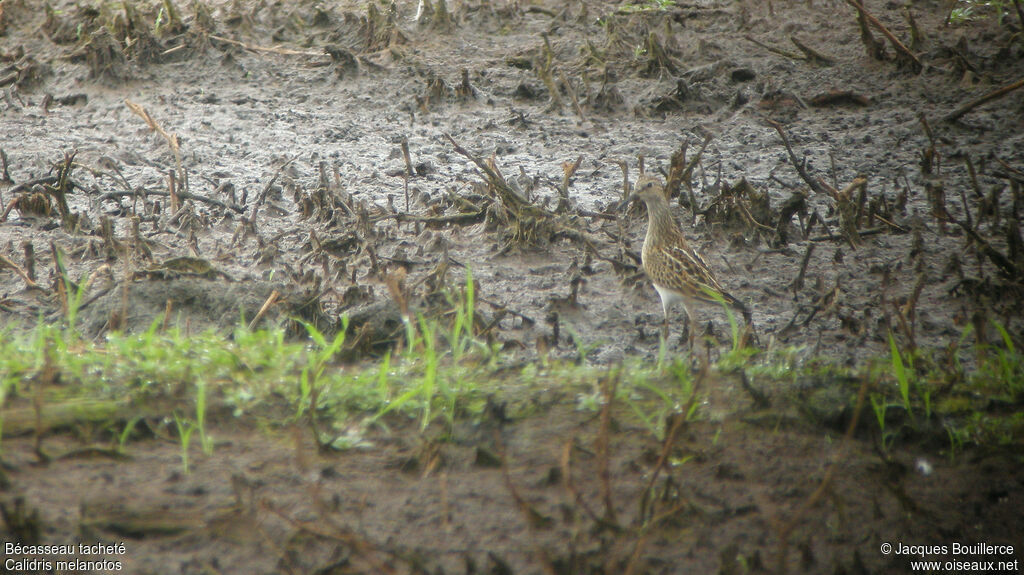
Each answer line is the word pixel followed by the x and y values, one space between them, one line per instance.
pixel 676 269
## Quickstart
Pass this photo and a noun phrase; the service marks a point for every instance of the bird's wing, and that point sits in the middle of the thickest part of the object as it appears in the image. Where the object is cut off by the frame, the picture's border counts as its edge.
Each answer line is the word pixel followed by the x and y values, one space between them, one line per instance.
pixel 693 278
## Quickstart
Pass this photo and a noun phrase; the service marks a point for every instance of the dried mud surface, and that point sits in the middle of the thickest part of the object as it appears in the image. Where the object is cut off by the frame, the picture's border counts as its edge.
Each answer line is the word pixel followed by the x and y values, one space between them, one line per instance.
pixel 298 185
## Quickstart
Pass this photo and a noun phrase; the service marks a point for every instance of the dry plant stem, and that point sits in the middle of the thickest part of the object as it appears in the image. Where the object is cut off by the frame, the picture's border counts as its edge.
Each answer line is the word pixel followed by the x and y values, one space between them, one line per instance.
pixel 608 388
pixel 273 180
pixel 637 554
pixel 408 165
pixel 45 180
pixel 686 173
pixel 967 209
pixel 172 139
pixel 503 308
pixel 30 259
pixel 1009 269
pixel 434 221
pixel 812 54
pixel 676 168
pixel 63 414
pixel 60 278
pixel 750 217
pixel 956 114
pixel 832 237
pixel 948 9
pixel 569 170
pixel 847 209
pixel 599 215
pixel 892 225
pixel 974 178
pixel 508 196
pixel 909 309
pixel 916 38
pixel 885 31
pixel 798 283
pixel 905 327
pixel 624 166
pixel 923 118
pixel 271 300
pixel 774 50
pixel 445 507
pixel 266 50
pixel 826 482
pixel 173 192
pixel 570 486
pixel 5 262
pixel 875 48
pixel 5 174
pixel 572 96
pixel 361 547
pixel 666 449
pixel 168 308
pixel 1014 173
pixel 181 196
pixel 529 515
pixel 520 208
pixel 799 166
pixel 544 71
pixel 405 190
pixel 37 403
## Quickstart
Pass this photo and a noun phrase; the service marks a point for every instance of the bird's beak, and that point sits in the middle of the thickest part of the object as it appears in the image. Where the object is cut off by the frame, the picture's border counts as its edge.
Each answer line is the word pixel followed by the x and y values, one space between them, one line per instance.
pixel 624 204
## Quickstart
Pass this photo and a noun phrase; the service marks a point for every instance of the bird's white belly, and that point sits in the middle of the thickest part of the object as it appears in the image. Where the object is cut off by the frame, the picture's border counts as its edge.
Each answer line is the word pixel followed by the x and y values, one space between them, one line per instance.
pixel 668 297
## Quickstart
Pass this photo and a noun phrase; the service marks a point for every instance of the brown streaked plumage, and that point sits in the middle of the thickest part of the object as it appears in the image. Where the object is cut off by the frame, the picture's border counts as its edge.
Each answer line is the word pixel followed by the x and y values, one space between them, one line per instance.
pixel 676 269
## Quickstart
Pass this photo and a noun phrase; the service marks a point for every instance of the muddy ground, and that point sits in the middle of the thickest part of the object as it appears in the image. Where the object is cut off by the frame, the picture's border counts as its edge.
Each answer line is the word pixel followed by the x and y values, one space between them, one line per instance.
pixel 273 160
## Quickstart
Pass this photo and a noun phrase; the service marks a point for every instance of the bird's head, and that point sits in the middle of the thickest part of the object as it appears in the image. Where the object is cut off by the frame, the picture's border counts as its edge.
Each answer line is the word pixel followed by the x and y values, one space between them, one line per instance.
pixel 647 189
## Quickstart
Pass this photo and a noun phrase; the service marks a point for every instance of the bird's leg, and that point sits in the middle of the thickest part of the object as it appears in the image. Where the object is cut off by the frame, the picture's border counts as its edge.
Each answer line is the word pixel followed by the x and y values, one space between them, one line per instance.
pixel 691 330
pixel 664 324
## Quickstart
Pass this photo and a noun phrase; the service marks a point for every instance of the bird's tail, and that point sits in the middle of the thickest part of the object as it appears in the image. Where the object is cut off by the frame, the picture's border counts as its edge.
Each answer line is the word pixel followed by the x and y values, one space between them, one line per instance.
pixel 721 295
pixel 748 332
pixel 740 307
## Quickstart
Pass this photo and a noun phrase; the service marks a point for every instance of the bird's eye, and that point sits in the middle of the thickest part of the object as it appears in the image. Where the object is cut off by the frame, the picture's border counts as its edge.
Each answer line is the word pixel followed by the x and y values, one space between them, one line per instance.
pixel 648 185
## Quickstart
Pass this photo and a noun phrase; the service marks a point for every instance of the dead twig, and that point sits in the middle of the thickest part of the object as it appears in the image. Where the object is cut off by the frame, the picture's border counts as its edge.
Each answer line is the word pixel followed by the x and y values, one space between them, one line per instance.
pixel 408 165
pixel 181 195
pixel 509 197
pixel 271 300
pixel 798 165
pixel 265 49
pixel 608 387
pixel 1008 268
pixel 779 51
pixel 172 142
pixel 847 208
pixel 570 486
pixel 812 54
pixel 572 96
pixel 798 283
pixel 462 219
pixel 826 483
pixel 5 262
pixel 833 237
pixel 45 181
pixel 5 174
pixel 172 139
pixel 277 174
pixel 900 48
pixel 956 114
